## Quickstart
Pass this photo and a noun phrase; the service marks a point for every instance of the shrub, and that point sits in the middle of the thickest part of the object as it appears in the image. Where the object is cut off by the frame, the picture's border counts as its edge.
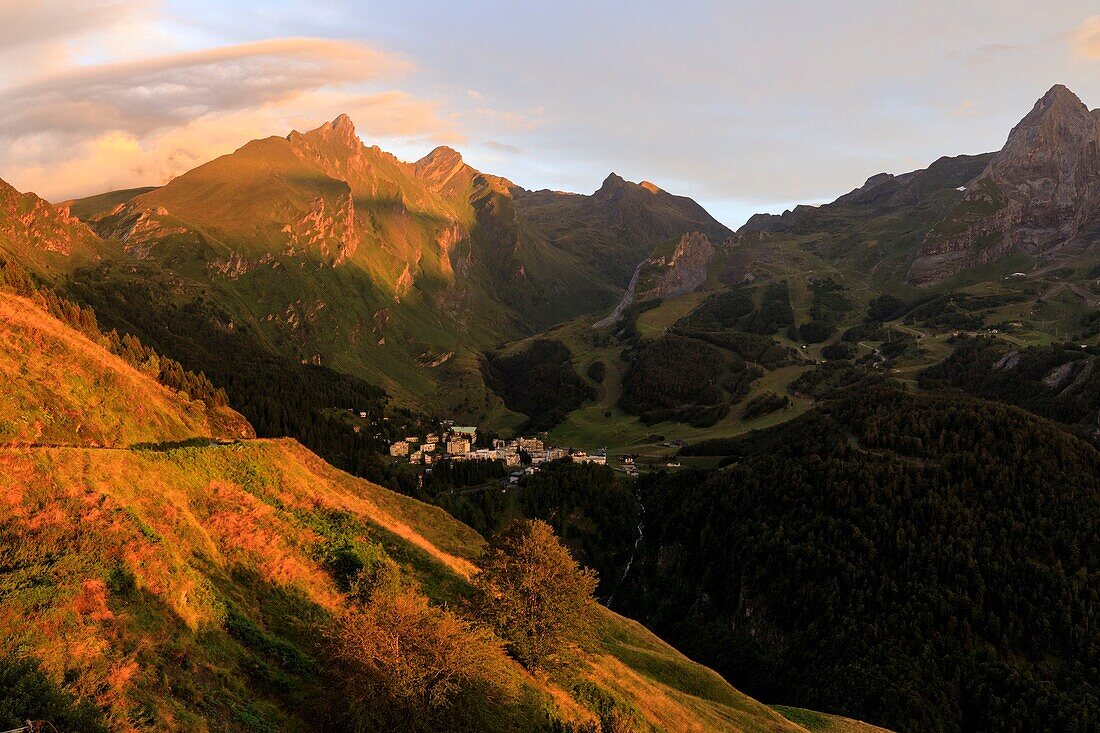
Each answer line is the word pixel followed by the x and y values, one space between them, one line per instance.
pixel 535 595
pixel 403 661
pixel 26 693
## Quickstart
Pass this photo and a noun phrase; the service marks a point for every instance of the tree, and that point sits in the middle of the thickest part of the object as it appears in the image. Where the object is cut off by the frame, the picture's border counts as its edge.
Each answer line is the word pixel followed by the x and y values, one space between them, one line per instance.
pixel 402 657
pixel 535 595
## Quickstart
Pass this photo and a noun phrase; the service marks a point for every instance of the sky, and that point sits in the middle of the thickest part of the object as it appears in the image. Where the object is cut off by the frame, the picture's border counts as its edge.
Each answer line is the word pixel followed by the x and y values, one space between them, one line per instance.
pixel 744 106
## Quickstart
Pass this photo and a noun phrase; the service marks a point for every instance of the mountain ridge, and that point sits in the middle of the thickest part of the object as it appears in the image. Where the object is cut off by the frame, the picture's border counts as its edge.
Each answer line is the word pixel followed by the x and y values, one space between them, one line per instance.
pixel 348 256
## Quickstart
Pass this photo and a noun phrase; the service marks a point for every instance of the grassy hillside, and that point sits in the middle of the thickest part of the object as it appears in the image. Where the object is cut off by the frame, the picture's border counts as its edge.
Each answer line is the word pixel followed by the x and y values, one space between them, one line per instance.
pixel 188 587
pixel 63 389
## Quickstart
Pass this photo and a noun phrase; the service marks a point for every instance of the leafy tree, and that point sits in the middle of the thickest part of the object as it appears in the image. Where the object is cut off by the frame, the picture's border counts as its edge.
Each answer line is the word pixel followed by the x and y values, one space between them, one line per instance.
pixel 404 661
pixel 535 595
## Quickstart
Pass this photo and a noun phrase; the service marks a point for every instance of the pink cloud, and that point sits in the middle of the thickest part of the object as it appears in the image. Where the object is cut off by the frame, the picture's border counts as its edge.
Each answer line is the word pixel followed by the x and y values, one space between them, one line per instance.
pixel 1086 39
pixel 89 129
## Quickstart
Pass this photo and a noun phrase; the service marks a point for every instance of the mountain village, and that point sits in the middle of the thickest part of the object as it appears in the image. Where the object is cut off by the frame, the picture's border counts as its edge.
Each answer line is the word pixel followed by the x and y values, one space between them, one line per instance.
pixel 458 443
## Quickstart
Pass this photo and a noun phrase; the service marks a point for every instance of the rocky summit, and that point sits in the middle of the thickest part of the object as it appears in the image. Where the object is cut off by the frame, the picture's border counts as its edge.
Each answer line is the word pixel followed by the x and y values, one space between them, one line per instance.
pixel 1040 195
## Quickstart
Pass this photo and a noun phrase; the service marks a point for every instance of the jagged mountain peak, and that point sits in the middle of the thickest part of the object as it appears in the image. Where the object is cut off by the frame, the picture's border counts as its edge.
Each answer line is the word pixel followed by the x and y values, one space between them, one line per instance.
pixel 1060 93
pixel 612 182
pixel 441 154
pixel 440 165
pixel 340 132
pixel 1059 115
pixel 1039 194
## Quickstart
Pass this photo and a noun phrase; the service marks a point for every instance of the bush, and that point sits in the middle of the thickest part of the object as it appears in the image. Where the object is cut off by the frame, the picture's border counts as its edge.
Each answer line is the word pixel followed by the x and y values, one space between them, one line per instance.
pixel 26 693
pixel 536 596
pixel 403 661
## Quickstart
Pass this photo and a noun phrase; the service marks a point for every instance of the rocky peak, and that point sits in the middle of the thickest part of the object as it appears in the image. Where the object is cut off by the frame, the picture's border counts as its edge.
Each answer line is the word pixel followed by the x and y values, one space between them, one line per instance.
pixel 440 165
pixel 441 155
pixel 1039 194
pixel 28 221
pixel 878 179
pixel 613 185
pixel 1059 126
pixel 339 133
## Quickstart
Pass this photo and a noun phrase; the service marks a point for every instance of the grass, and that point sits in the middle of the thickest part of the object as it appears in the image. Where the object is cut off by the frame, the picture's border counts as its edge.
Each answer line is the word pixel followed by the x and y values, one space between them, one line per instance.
pixel 95 398
pixel 824 723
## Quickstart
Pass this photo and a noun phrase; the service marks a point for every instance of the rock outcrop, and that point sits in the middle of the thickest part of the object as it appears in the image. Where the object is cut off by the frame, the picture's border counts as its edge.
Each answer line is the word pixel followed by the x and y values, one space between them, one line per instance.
pixel 667 274
pixel 30 226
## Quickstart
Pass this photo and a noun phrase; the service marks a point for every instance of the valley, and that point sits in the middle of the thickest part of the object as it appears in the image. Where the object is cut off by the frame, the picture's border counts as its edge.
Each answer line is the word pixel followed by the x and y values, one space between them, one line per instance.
pixel 843 459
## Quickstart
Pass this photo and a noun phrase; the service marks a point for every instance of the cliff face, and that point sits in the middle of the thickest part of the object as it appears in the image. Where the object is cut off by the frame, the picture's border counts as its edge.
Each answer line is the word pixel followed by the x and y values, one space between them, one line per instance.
pixel 675 268
pixel 682 271
pixel 41 236
pixel 1039 194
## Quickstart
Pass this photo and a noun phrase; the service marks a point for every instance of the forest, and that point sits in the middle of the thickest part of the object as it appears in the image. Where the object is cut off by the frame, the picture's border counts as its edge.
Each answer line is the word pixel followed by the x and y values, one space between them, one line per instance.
pixel 538 381
pixel 591 508
pixel 677 378
pixel 880 557
pixel 1059 381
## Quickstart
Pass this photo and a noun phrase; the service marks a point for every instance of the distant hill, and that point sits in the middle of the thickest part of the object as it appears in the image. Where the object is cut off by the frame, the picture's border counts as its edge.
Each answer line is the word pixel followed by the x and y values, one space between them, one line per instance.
pixel 44 238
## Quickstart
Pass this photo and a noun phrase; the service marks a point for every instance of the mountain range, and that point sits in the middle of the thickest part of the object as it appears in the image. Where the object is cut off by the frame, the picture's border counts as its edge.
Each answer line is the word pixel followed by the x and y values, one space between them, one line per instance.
pixel 346 256
pixel 835 372
pixel 1036 202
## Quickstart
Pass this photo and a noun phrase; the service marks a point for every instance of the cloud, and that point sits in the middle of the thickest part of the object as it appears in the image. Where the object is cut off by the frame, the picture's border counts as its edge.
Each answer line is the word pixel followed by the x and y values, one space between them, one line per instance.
pixel 92 128
pixel 504 147
pixel 1086 39
pixel 44 21
pixel 151 94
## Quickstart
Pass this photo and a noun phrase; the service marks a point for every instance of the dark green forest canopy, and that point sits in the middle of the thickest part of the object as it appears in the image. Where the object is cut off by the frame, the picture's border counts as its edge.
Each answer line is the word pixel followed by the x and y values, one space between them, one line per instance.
pixel 885 557
pixel 1060 381
pixel 678 378
pixel 538 381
